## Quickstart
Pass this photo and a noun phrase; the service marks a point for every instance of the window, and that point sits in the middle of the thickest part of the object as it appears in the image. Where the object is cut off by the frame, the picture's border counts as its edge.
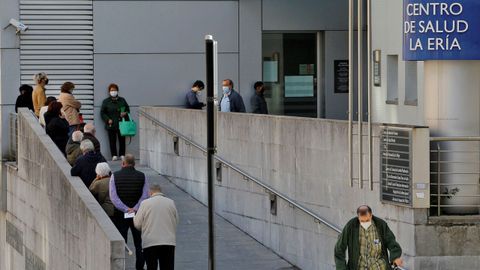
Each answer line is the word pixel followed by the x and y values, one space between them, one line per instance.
pixel 392 79
pixel 411 86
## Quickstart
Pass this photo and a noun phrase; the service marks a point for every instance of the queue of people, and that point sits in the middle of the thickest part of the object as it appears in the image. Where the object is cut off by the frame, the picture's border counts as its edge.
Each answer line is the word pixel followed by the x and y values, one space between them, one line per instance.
pixel 366 241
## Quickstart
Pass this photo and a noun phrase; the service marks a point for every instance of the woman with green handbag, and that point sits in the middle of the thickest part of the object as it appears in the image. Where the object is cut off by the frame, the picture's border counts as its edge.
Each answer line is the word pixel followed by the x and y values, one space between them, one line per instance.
pixel 114 110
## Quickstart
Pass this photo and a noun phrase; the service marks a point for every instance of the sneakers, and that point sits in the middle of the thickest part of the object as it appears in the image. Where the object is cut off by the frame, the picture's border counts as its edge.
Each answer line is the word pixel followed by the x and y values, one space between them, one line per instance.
pixel 122 158
pixel 114 158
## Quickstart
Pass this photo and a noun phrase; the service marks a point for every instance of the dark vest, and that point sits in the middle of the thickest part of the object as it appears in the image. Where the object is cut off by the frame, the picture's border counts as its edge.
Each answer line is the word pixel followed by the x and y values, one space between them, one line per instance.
pixel 129 184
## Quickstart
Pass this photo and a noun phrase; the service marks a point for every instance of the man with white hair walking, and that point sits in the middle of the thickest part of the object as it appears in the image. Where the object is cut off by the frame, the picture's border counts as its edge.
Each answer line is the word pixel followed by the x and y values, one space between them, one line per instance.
pixel 157 219
pixel 85 165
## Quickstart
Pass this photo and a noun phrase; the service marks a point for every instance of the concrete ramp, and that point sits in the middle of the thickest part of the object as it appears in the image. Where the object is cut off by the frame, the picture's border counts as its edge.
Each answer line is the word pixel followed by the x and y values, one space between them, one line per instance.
pixel 235 249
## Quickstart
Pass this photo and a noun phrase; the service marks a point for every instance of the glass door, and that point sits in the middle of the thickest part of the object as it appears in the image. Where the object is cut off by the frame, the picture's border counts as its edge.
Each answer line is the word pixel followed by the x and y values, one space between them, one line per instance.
pixel 290 73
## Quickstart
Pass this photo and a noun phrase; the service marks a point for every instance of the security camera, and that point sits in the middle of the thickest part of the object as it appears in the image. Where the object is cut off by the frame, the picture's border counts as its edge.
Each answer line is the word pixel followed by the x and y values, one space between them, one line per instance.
pixel 18 25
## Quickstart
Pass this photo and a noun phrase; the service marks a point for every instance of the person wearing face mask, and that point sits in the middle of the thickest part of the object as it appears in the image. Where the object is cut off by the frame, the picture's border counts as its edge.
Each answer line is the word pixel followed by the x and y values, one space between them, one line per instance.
pixel 370 243
pixel 114 108
pixel 38 95
pixel 191 99
pixel 71 107
pixel 259 104
pixel 231 100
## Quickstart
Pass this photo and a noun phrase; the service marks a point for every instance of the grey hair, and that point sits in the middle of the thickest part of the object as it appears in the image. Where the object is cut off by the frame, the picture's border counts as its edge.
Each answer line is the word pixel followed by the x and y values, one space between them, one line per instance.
pixel 102 169
pixel 89 128
pixel 155 188
pixel 77 136
pixel 37 78
pixel 86 146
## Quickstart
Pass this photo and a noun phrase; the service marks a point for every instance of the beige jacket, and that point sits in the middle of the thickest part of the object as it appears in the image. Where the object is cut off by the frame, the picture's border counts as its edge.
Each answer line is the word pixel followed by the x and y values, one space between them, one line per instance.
pixel 70 108
pixel 39 98
pixel 157 219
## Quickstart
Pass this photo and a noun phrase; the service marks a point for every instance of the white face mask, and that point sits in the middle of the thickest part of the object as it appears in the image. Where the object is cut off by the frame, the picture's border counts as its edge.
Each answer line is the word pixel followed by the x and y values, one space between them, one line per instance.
pixel 113 93
pixel 366 225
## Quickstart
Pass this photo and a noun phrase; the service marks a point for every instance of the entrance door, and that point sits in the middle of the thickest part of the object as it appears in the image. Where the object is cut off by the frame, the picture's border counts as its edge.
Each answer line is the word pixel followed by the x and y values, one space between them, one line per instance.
pixel 290 67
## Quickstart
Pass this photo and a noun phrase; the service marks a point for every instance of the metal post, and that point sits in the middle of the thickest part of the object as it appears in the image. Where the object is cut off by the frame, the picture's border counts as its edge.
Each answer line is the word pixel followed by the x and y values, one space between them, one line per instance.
pixel 369 90
pixel 438 179
pixel 350 91
pixel 360 90
pixel 211 148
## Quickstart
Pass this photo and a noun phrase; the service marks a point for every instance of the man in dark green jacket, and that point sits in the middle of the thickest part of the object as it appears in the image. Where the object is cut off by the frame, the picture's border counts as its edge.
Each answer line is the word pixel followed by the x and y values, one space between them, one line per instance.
pixel 370 242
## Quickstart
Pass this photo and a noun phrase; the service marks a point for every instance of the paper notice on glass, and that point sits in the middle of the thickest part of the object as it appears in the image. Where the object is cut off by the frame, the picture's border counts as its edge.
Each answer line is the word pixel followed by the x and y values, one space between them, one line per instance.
pixel 298 86
pixel 130 215
pixel 270 71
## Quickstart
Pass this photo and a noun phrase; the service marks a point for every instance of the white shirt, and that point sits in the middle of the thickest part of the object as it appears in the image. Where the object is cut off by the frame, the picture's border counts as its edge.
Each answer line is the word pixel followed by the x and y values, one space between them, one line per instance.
pixel 41 118
pixel 225 104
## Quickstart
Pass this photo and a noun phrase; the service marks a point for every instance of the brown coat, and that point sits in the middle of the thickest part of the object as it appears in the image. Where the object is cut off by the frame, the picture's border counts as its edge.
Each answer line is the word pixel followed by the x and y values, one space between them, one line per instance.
pixel 38 98
pixel 101 191
pixel 70 108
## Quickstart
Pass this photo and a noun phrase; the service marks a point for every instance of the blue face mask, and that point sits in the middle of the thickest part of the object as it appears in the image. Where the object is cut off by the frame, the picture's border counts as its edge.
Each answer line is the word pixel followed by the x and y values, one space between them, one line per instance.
pixel 226 89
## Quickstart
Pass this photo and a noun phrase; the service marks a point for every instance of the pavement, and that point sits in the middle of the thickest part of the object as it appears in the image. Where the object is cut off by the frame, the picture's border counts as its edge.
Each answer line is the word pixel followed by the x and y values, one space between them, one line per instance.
pixel 235 250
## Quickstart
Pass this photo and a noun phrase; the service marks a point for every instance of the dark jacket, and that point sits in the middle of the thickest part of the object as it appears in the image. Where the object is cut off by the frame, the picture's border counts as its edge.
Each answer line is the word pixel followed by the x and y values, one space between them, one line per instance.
pixel 259 104
pixel 129 185
pixel 100 189
pixel 24 101
pixel 111 109
pixel 349 239
pixel 48 116
pixel 93 139
pixel 236 102
pixel 57 129
pixel 85 167
pixel 191 101
pixel 73 151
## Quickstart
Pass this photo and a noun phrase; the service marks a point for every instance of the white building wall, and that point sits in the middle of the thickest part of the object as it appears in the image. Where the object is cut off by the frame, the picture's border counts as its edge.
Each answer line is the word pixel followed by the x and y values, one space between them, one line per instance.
pixel 387 36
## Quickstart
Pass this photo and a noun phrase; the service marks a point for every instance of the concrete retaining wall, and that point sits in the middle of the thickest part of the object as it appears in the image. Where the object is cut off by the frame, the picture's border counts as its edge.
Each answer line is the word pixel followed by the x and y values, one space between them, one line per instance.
pixel 306 159
pixel 52 220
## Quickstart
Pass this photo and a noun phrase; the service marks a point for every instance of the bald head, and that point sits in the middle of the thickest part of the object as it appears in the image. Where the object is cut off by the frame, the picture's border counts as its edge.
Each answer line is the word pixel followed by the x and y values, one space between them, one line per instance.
pixel 89 128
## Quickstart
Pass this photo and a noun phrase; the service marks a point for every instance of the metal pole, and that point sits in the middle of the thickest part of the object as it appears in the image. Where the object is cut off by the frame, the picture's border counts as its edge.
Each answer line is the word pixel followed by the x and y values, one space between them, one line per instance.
pixel 439 171
pixel 350 91
pixel 360 90
pixel 369 75
pixel 210 66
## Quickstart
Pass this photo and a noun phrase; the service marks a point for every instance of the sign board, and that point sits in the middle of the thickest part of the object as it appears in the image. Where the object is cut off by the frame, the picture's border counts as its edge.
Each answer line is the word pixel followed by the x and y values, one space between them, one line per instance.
pixel 396 165
pixel 340 68
pixel 441 30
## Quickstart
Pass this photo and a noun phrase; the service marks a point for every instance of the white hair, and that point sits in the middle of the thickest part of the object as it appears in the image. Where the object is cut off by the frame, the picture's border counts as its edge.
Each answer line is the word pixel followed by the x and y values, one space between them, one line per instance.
pixel 77 136
pixel 86 146
pixel 37 78
pixel 102 169
pixel 89 128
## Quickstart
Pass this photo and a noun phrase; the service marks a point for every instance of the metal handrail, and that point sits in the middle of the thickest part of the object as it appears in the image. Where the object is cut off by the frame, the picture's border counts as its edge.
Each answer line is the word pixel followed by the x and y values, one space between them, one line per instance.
pixel 455 139
pixel 243 173
pixel 439 173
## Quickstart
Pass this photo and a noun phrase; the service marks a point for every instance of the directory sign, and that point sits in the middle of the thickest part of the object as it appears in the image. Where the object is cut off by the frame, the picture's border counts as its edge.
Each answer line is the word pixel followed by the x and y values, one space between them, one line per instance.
pixel 396 165
pixel 441 30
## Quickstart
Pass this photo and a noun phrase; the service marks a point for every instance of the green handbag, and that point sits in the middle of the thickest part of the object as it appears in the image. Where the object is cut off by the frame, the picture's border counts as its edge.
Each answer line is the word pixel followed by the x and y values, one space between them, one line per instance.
pixel 128 128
